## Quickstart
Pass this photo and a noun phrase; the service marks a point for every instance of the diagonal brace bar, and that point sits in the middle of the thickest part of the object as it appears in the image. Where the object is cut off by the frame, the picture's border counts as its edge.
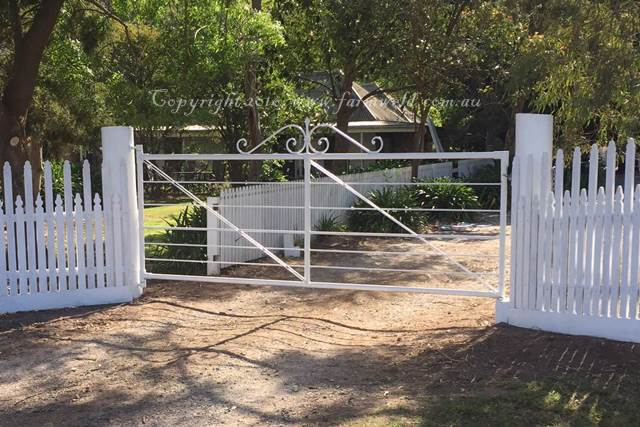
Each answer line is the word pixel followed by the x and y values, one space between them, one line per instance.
pixel 202 204
pixel 396 221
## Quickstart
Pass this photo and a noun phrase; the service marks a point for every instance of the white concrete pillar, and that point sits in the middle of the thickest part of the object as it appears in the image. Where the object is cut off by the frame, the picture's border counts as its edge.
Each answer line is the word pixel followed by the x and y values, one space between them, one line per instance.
pixel 119 178
pixel 534 137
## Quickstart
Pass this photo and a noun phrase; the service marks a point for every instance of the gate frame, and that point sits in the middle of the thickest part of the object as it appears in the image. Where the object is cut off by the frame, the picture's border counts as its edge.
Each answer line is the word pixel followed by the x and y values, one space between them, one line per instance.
pixel 309 154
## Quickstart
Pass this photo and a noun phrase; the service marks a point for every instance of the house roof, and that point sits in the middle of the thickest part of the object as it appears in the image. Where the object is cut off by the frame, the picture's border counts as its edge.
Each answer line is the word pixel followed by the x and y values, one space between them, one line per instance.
pixel 381 107
pixel 380 126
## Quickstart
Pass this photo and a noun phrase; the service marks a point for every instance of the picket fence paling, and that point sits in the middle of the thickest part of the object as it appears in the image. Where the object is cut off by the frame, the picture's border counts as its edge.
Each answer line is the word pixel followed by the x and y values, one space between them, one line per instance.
pixel 52 243
pixel 577 251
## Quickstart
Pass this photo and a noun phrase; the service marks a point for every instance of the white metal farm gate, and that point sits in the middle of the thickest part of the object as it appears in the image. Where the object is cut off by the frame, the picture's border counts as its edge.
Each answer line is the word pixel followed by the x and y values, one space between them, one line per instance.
pixel 308 145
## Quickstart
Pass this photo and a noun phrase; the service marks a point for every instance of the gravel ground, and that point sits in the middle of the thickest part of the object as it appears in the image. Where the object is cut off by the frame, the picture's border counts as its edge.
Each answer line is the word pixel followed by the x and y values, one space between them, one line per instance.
pixel 206 354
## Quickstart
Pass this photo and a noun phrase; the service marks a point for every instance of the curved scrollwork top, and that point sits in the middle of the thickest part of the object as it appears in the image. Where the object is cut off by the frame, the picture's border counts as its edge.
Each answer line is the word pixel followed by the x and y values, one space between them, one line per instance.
pixel 304 143
pixel 294 145
pixel 377 143
pixel 242 145
pixel 322 145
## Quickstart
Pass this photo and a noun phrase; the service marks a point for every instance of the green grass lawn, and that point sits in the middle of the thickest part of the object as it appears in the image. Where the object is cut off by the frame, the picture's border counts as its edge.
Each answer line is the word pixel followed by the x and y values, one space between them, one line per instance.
pixel 157 216
pixel 566 401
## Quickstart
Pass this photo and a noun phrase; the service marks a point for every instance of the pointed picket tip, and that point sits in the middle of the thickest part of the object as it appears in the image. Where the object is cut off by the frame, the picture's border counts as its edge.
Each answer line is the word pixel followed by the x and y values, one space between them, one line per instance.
pixel 559 154
pixel 39 202
pixel 19 202
pixel 58 200
pixel 619 191
pixel 584 198
pixel 618 200
pixel 97 203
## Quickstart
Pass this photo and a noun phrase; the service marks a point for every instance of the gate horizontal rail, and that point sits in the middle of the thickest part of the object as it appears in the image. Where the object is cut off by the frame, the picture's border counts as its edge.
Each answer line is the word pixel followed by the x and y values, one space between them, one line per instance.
pixel 323 285
pixel 490 155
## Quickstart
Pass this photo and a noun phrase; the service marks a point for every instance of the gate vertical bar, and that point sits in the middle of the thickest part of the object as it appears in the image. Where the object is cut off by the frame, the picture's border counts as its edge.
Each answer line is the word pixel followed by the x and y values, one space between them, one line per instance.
pixel 307 220
pixel 140 187
pixel 504 165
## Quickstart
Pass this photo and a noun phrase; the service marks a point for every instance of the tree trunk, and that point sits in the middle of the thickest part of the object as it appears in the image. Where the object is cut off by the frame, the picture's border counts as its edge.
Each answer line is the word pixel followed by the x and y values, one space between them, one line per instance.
pixel 418 145
pixel 345 109
pixel 17 94
pixel 510 137
pixel 253 117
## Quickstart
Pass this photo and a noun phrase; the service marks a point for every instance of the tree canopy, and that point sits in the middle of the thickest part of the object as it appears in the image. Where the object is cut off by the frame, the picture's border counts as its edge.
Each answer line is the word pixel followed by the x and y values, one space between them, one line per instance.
pixel 137 62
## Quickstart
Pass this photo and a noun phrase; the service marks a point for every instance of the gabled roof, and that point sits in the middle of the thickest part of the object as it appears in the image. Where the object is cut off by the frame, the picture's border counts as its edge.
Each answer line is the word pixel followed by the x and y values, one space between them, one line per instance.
pixel 380 107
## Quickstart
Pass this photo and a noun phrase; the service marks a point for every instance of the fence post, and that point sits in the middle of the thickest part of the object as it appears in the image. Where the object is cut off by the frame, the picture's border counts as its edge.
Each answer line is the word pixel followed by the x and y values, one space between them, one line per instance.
pixel 534 137
pixel 531 178
pixel 119 178
pixel 213 238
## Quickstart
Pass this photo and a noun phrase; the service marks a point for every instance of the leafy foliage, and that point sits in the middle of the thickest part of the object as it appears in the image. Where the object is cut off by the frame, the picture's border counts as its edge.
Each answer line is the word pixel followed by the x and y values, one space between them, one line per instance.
pixel 373 221
pixel 190 216
pixel 377 165
pixel 330 222
pixel 488 196
pixel 273 171
pixel 57 175
pixel 577 59
pixel 446 193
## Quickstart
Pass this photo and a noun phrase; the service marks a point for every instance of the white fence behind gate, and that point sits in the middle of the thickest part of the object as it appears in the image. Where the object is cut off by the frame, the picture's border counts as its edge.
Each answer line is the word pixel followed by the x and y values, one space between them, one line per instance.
pixel 61 250
pixel 575 253
pixel 250 207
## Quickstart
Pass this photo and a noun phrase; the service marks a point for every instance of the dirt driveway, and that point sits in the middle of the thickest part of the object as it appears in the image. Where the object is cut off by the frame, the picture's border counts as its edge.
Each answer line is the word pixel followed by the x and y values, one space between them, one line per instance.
pixel 203 354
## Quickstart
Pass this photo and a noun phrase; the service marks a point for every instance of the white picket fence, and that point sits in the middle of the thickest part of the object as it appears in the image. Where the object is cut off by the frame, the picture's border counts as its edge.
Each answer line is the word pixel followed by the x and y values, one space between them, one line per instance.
pixel 575 253
pixel 279 206
pixel 60 250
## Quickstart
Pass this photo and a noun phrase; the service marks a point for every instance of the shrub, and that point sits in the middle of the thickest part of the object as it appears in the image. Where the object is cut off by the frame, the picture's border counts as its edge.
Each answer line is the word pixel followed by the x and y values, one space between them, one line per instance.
pixel 57 177
pixel 439 193
pixel 329 222
pixel 190 216
pixel 273 171
pixel 488 196
pixel 377 165
pixel 373 221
